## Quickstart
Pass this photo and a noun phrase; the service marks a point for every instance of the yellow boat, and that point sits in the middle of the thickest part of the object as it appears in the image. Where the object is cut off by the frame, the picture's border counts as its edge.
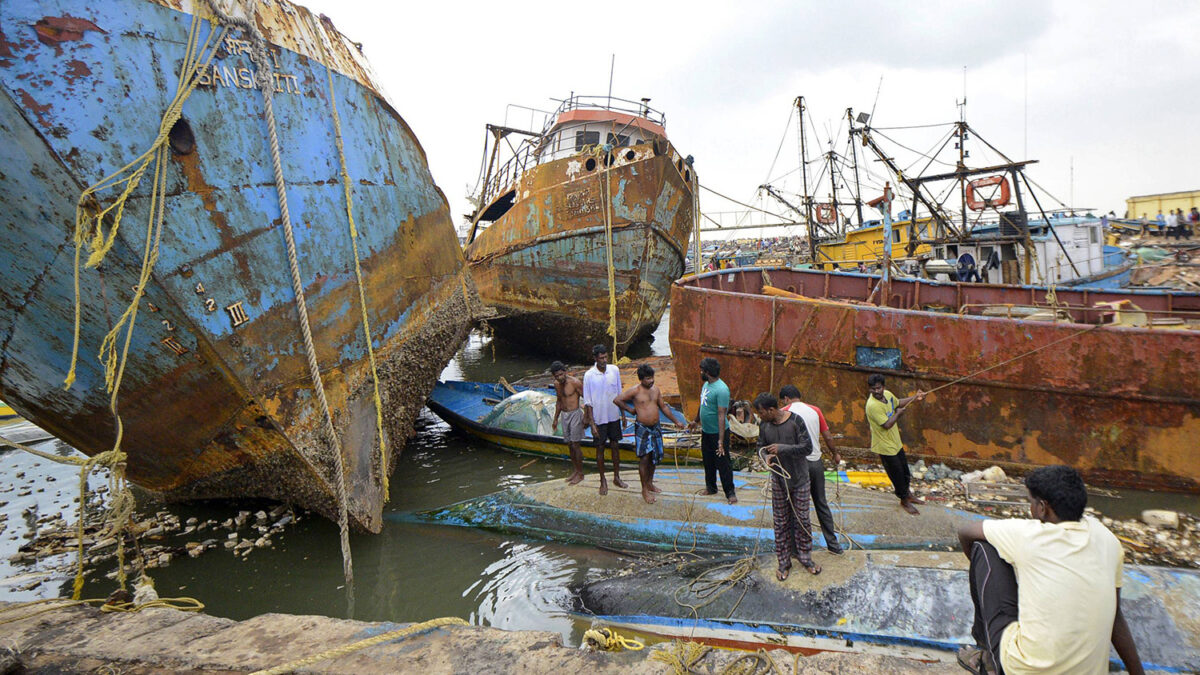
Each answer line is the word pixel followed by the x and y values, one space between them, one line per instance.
pixel 7 414
pixel 866 245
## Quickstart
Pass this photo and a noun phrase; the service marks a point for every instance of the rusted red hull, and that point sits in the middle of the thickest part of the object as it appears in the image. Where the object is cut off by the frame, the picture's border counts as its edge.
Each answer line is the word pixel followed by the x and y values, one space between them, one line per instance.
pixel 543 265
pixel 1120 404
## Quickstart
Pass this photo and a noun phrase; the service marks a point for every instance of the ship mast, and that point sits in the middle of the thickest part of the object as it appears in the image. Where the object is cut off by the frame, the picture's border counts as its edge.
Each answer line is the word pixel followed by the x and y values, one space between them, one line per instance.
pixel 854 157
pixel 808 221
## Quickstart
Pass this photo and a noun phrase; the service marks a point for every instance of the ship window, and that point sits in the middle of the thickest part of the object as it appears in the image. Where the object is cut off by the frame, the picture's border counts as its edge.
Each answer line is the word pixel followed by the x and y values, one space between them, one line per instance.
pixel 1095 234
pixel 629 155
pixel 583 138
pixel 618 141
pixel 895 235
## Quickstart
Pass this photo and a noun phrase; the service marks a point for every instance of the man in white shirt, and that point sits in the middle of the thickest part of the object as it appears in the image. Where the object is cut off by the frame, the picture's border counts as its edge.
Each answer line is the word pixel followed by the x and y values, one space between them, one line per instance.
pixel 818 430
pixel 602 384
pixel 1047 590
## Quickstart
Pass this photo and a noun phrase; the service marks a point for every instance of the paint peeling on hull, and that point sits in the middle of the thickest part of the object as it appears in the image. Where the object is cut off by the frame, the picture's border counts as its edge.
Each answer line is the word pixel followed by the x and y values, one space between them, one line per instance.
pixel 544 267
pixel 1120 404
pixel 217 400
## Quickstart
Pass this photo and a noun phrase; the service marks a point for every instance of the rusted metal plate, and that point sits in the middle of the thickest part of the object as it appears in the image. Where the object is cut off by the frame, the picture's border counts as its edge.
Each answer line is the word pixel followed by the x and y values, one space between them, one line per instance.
pixel 544 264
pixel 1120 404
pixel 217 400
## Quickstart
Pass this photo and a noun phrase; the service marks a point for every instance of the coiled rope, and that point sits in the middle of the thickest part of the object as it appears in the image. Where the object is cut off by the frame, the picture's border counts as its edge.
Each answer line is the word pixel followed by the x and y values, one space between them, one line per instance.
pixel 608 640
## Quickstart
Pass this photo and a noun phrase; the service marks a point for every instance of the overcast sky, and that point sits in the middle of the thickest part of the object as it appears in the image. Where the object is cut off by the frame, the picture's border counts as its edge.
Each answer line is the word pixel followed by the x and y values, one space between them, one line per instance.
pixel 1110 88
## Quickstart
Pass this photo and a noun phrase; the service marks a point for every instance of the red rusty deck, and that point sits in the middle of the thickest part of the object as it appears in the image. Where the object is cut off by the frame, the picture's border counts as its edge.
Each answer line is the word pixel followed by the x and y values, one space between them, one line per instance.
pixel 1121 404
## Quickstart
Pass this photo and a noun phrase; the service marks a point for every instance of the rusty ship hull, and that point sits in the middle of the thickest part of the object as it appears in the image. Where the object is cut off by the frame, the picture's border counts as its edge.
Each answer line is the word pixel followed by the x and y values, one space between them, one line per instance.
pixel 217 400
pixel 1121 404
pixel 543 265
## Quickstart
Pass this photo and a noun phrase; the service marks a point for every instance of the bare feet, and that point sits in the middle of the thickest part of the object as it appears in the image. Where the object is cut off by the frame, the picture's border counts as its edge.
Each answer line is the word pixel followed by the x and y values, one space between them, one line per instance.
pixel 603 487
pixel 654 488
pixel 574 479
pixel 648 496
pixel 907 506
pixel 706 493
pixel 782 573
pixel 915 499
pixel 733 499
pixel 619 483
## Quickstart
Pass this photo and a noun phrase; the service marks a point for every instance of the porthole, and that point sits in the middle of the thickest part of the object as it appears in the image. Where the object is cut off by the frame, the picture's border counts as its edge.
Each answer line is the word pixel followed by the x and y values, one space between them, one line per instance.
pixel 182 141
pixel 590 164
pixel 630 155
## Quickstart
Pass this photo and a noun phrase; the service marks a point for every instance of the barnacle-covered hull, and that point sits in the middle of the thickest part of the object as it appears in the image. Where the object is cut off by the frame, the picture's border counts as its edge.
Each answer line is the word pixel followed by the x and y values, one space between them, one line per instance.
pixel 216 399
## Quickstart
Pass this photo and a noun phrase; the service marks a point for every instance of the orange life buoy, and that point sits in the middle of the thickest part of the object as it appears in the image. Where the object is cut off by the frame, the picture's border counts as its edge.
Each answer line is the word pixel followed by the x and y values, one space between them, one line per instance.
pixel 825 214
pixel 999 197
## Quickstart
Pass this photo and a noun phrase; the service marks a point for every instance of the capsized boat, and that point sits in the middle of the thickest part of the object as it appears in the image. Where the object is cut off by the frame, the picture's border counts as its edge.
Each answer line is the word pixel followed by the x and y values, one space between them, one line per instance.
pixel 682 520
pixel 1100 380
pixel 904 603
pixel 586 223
pixel 520 419
pixel 217 398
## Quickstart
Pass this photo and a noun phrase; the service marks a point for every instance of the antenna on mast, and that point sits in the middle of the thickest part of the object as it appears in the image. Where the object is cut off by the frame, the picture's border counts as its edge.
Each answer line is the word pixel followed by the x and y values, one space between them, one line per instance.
pixel 962 105
pixel 611 67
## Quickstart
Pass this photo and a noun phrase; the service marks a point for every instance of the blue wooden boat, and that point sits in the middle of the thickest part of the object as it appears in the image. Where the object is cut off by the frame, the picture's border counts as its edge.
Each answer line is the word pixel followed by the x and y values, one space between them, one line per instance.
pixel 681 519
pixel 464 406
pixel 905 603
pixel 217 399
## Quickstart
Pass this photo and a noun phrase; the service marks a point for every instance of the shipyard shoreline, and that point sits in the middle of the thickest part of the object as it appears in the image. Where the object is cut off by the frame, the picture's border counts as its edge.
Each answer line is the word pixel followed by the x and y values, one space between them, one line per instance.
pixel 160 640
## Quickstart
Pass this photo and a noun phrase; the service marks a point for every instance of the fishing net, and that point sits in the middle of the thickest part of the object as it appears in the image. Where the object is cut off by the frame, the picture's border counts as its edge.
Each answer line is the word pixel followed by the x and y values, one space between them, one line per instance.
pixel 531 412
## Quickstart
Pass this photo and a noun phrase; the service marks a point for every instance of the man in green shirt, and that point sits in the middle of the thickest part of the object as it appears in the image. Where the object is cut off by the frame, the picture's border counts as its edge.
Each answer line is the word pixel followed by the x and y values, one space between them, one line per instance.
pixel 883 411
pixel 714 436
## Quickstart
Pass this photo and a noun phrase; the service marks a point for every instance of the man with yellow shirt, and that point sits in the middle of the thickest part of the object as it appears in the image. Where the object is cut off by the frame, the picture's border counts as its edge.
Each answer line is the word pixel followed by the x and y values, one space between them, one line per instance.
pixel 883 411
pixel 1047 590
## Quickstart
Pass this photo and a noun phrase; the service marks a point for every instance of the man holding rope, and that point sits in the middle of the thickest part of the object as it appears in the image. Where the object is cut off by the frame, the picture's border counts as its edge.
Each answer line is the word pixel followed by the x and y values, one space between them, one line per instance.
pixel 818 431
pixel 784 440
pixel 883 411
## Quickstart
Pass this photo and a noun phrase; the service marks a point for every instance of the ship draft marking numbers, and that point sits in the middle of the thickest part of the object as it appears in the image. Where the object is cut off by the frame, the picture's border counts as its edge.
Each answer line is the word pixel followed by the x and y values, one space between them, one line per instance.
pixel 210 305
pixel 237 314
pixel 174 346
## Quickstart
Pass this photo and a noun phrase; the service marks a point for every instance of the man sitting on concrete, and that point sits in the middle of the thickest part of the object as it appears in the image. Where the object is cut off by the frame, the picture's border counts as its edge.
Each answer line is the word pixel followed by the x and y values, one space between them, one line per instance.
pixel 1047 590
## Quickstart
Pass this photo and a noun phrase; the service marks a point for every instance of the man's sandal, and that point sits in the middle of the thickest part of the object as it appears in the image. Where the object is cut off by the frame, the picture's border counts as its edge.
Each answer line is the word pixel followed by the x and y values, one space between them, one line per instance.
pixel 976 660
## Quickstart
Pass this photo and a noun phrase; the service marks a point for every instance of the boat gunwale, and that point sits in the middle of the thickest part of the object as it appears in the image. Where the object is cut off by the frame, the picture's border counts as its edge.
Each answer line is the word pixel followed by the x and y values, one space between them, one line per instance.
pixel 687 284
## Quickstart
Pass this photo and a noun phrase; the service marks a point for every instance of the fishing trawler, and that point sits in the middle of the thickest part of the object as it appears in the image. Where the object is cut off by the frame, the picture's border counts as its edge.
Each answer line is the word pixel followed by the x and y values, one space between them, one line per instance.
pixel 1100 380
pixel 578 234
pixel 220 198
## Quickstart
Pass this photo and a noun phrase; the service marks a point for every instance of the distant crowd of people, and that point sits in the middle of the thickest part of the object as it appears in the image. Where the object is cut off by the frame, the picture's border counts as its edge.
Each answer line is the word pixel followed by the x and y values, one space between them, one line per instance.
pixel 1046 590
pixel 1175 223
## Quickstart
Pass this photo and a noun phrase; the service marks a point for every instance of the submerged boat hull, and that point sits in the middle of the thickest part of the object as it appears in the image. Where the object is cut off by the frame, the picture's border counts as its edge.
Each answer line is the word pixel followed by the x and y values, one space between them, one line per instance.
pixel 217 400
pixel 683 520
pixel 1118 403
pixel 544 264
pixel 914 604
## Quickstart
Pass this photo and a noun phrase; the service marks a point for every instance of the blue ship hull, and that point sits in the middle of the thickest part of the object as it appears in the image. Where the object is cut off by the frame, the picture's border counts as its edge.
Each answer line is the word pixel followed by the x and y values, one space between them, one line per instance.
pixel 217 400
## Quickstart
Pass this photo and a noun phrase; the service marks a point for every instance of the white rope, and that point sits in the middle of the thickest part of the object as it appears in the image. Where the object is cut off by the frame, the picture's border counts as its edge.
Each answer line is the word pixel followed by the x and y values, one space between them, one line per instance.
pixel 265 76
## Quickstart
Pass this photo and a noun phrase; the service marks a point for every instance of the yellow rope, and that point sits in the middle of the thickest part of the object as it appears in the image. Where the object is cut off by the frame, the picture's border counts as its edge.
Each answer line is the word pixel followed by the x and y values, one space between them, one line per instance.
pixel 363 644
pixel 682 656
pixel 612 282
pixel 609 640
pixel 182 604
pixel 89 230
pixel 362 298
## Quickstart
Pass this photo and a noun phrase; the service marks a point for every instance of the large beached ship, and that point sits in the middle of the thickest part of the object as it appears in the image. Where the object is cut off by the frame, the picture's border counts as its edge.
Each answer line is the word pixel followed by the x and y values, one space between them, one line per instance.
pixel 1101 380
pixel 246 150
pixel 578 234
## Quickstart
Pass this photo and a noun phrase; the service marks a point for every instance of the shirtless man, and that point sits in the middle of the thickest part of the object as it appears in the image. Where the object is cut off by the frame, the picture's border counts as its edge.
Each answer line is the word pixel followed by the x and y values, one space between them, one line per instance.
pixel 568 389
pixel 647 432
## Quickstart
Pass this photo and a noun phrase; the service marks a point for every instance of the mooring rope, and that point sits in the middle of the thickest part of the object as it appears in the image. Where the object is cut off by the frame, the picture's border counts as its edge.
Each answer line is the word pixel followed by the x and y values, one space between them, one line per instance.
pixel 265 82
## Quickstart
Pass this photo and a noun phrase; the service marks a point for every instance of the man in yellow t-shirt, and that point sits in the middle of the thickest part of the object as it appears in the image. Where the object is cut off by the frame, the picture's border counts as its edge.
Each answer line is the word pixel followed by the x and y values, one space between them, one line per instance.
pixel 1047 590
pixel 883 411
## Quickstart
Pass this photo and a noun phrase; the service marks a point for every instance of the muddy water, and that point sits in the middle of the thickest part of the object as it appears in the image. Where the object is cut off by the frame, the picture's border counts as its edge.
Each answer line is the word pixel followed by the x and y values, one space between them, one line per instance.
pixel 409 572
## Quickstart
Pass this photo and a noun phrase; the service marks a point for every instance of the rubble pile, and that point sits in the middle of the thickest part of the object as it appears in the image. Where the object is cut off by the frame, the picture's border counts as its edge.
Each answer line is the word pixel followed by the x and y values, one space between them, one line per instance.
pixel 1158 538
